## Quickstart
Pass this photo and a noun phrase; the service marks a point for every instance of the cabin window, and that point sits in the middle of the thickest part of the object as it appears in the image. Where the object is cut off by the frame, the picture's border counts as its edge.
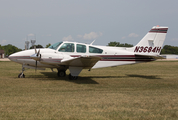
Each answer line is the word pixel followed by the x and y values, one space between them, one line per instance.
pixel 81 48
pixel 67 47
pixel 55 46
pixel 95 50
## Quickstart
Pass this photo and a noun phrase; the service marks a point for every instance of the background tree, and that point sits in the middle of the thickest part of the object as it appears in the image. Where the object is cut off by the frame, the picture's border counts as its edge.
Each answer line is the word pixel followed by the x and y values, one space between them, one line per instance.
pixel 10 49
pixel 118 44
pixel 37 46
pixel 48 45
pixel 1 48
pixel 168 49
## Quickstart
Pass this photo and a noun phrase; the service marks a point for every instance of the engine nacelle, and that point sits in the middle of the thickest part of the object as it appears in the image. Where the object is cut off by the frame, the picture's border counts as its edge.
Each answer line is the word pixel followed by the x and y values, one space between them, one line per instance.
pixel 52 58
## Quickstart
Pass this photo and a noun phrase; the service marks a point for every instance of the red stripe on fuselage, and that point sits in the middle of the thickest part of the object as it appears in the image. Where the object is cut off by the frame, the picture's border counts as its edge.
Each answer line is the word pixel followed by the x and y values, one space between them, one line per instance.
pixel 19 57
pixel 103 58
pixel 121 58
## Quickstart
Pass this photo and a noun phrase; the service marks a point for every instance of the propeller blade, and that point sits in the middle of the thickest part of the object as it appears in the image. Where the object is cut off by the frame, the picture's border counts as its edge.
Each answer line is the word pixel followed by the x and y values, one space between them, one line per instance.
pixel 39 57
pixel 36 56
pixel 38 53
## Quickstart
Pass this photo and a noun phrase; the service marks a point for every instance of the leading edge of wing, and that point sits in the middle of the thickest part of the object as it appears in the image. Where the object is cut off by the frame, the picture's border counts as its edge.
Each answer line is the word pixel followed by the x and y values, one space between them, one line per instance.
pixel 82 61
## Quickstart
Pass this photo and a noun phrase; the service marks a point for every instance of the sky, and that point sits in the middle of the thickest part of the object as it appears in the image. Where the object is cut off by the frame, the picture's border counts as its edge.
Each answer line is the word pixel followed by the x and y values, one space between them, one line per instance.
pixel 51 21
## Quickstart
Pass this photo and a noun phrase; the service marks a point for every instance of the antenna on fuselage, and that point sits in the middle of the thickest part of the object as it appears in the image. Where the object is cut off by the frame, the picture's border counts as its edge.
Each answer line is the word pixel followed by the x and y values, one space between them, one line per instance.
pixel 92 42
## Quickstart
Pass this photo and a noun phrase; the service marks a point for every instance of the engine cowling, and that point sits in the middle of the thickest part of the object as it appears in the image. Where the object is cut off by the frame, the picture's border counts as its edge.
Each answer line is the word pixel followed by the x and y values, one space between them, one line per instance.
pixel 52 58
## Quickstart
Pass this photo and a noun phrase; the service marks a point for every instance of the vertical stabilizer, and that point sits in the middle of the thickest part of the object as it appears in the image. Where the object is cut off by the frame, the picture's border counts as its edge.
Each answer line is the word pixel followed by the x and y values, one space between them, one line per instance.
pixel 151 43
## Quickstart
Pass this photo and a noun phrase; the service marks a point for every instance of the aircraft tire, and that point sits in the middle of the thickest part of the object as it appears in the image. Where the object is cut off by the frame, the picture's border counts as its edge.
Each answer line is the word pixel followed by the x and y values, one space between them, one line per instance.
pixel 61 73
pixel 21 76
pixel 72 77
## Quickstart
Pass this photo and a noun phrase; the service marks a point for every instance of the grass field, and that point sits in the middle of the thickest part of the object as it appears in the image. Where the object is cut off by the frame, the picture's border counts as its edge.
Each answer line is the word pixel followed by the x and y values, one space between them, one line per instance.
pixel 147 91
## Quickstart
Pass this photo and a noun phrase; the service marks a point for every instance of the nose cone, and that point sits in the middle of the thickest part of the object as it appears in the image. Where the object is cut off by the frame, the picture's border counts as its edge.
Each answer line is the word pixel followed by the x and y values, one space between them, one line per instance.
pixel 21 56
pixel 18 56
pixel 13 57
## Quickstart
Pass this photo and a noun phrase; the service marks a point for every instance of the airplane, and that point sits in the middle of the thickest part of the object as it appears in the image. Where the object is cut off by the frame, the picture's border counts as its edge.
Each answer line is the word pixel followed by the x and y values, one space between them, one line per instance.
pixel 77 56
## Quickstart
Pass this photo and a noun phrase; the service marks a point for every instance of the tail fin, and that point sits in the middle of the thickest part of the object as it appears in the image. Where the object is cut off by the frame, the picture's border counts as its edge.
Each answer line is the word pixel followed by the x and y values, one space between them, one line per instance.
pixel 151 43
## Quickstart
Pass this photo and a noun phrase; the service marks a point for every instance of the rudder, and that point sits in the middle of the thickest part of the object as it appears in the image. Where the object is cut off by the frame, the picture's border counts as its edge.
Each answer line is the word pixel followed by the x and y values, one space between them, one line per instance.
pixel 151 43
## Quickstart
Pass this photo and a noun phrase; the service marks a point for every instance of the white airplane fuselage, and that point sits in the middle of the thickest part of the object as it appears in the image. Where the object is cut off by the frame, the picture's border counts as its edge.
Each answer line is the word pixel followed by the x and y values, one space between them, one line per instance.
pixel 111 56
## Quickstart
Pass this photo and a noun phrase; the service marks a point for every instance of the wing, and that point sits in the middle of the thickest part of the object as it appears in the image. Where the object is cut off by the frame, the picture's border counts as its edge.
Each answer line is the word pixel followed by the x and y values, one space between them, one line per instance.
pixel 82 61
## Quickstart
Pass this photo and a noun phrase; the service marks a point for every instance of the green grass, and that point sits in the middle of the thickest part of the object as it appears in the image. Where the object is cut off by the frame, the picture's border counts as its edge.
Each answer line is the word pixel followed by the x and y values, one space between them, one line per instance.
pixel 135 92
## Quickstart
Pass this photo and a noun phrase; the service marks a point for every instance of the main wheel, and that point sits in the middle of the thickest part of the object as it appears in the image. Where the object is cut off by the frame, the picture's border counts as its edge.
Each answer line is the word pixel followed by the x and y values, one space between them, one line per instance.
pixel 72 77
pixel 61 73
pixel 21 75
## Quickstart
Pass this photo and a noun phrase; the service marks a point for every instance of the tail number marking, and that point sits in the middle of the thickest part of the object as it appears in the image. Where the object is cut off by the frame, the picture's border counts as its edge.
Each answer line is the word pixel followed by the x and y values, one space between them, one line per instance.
pixel 147 49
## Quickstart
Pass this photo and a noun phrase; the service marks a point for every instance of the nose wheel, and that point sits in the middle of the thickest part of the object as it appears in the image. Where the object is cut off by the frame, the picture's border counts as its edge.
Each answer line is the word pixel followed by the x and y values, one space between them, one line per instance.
pixel 22 75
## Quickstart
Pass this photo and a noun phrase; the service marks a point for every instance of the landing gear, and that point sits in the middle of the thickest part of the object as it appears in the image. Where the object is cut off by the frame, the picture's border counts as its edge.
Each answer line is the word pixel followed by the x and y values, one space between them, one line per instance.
pixel 61 73
pixel 72 77
pixel 22 75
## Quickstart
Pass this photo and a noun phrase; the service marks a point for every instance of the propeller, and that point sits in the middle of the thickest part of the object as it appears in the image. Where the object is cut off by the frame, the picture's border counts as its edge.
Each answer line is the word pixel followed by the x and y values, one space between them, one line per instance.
pixel 38 54
pixel 36 57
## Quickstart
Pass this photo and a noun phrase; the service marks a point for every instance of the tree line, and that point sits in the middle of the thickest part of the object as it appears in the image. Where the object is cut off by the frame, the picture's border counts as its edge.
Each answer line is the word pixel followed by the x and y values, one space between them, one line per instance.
pixel 118 44
pixel 167 49
pixel 10 49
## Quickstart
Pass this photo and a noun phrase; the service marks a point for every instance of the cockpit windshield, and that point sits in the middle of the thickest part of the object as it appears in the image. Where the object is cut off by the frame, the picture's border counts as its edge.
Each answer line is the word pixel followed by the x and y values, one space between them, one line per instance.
pixel 55 46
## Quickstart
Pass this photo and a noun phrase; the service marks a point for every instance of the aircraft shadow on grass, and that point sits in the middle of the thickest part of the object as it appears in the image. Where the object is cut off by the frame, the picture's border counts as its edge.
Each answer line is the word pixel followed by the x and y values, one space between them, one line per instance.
pixel 88 80
pixel 144 76
pixel 80 80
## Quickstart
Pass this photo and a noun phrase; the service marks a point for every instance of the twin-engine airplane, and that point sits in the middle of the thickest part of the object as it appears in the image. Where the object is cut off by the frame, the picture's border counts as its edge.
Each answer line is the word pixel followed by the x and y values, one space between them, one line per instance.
pixel 77 56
